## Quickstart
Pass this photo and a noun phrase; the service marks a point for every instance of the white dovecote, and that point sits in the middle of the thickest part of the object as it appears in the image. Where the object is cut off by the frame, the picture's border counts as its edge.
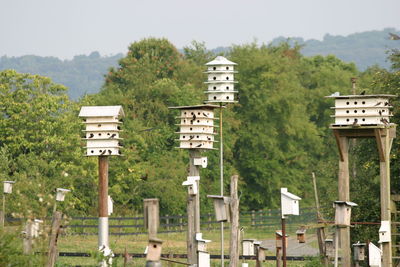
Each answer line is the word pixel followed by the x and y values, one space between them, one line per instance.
pixel 103 127
pixel 362 110
pixel 220 81
pixel 196 127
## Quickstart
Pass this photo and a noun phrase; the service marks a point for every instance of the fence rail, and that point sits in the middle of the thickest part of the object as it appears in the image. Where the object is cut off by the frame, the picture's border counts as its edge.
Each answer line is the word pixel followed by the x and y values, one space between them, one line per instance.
pixel 177 223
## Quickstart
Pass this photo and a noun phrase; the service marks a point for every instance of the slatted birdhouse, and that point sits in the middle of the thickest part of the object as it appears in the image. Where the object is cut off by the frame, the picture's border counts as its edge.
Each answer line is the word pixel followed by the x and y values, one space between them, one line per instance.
pixel 329 248
pixel 196 127
pixel 384 232
pixel 343 212
pixel 289 203
pixel 220 82
pixel 359 251
pixel 7 187
pixel 203 255
pixel 103 127
pixel 61 192
pixel 361 110
pixel 221 208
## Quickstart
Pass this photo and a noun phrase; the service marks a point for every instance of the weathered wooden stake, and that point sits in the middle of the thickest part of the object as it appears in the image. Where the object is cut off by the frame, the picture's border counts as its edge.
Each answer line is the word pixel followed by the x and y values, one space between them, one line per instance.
pixel 234 208
pixel 193 211
pixel 278 257
pixel 55 229
pixel 27 241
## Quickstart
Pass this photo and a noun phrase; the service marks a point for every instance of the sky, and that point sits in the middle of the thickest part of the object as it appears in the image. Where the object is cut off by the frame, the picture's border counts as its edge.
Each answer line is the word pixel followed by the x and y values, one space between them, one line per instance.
pixel 65 28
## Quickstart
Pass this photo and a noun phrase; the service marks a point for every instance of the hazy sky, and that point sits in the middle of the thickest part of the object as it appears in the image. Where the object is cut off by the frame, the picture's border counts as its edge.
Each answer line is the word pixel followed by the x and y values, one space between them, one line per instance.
pixel 65 28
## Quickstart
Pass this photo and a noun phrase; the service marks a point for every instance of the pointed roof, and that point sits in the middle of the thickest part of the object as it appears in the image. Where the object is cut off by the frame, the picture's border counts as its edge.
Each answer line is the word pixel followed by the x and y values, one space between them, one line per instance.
pixel 220 60
pixel 101 111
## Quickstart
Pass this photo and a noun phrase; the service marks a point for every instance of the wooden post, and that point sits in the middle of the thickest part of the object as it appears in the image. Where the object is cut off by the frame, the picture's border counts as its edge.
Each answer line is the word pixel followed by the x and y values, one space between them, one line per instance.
pixel 320 230
pixel 55 229
pixel 386 142
pixel 27 241
pixel 278 257
pixel 193 211
pixel 344 194
pixel 283 241
pixel 103 202
pixel 3 211
pixel 234 208
pixel 151 216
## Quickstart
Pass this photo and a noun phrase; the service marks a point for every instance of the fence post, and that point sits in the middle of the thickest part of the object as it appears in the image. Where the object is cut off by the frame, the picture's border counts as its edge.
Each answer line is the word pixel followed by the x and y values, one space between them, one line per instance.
pixel 167 221
pixel 253 217
pixel 181 222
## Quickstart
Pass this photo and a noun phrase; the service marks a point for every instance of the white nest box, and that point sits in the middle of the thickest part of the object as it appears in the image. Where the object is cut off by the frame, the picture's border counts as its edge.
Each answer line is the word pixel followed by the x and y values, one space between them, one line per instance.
pixel 61 192
pixel 374 255
pixel 221 81
pixel 384 232
pixel 36 227
pixel 289 203
pixel 362 110
pixel 343 212
pixel 191 183
pixel 221 208
pixel 7 187
pixel 196 126
pixel 248 247
pixel 103 127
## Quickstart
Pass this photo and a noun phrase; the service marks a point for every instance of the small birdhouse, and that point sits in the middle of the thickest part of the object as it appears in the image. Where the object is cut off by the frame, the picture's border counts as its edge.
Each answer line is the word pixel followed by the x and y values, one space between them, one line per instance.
pixel 154 249
pixel 151 214
pixel 278 239
pixel 221 208
pixel 289 203
pixel 301 235
pixel 359 251
pixel 329 248
pixel 248 247
pixel 103 126
pixel 374 255
pixel 110 205
pixel 196 126
pixel 191 183
pixel 361 110
pixel 343 212
pixel 261 251
pixel 61 192
pixel 220 81
pixel 7 186
pixel 384 232
pixel 201 243
pixel 200 161
pixel 36 228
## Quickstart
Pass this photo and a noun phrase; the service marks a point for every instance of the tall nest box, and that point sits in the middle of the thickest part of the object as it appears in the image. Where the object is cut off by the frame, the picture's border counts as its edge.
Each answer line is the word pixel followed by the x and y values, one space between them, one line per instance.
pixel 361 110
pixel 220 81
pixel 103 125
pixel 196 127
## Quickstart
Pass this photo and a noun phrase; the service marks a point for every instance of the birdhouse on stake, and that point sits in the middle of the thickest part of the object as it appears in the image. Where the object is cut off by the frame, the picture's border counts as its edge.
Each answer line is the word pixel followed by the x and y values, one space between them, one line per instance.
pixel 221 208
pixel 361 110
pixel 204 256
pixel 384 232
pixel 278 239
pixel 191 183
pixel 220 81
pixel 289 203
pixel 61 192
pixel 248 247
pixel 7 187
pixel 154 249
pixel 196 126
pixel 329 248
pixel 359 251
pixel 103 126
pixel 301 235
pixel 343 212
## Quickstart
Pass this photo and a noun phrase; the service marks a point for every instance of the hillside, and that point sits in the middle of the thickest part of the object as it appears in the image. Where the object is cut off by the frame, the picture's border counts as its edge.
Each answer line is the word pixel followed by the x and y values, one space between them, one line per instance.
pixel 85 74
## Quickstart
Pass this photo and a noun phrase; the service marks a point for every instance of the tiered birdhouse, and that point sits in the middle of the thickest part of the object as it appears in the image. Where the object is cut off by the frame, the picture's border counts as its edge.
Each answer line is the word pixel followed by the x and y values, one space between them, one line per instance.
pixel 343 212
pixel 289 203
pixel 196 126
pixel 220 81
pixel 7 186
pixel 61 192
pixel 103 127
pixel 361 110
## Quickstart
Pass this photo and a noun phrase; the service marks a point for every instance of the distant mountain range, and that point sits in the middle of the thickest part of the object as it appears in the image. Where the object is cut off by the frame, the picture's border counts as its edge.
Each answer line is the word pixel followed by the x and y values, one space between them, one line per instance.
pixel 84 74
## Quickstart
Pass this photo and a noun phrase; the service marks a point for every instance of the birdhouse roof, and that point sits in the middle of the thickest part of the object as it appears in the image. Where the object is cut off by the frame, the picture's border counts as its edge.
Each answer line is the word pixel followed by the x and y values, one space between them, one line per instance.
pixel 338 96
pixel 249 240
pixel 358 244
pixel 301 231
pixel 9 182
pixel 63 190
pixel 289 195
pixel 279 232
pixel 199 237
pixel 215 196
pixel 211 107
pixel 155 240
pixel 220 60
pixel 101 111
pixel 347 203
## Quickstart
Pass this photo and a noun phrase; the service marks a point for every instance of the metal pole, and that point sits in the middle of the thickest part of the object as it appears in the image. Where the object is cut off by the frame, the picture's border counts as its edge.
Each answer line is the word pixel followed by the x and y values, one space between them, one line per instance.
pixel 221 166
pixel 103 202
pixel 283 242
